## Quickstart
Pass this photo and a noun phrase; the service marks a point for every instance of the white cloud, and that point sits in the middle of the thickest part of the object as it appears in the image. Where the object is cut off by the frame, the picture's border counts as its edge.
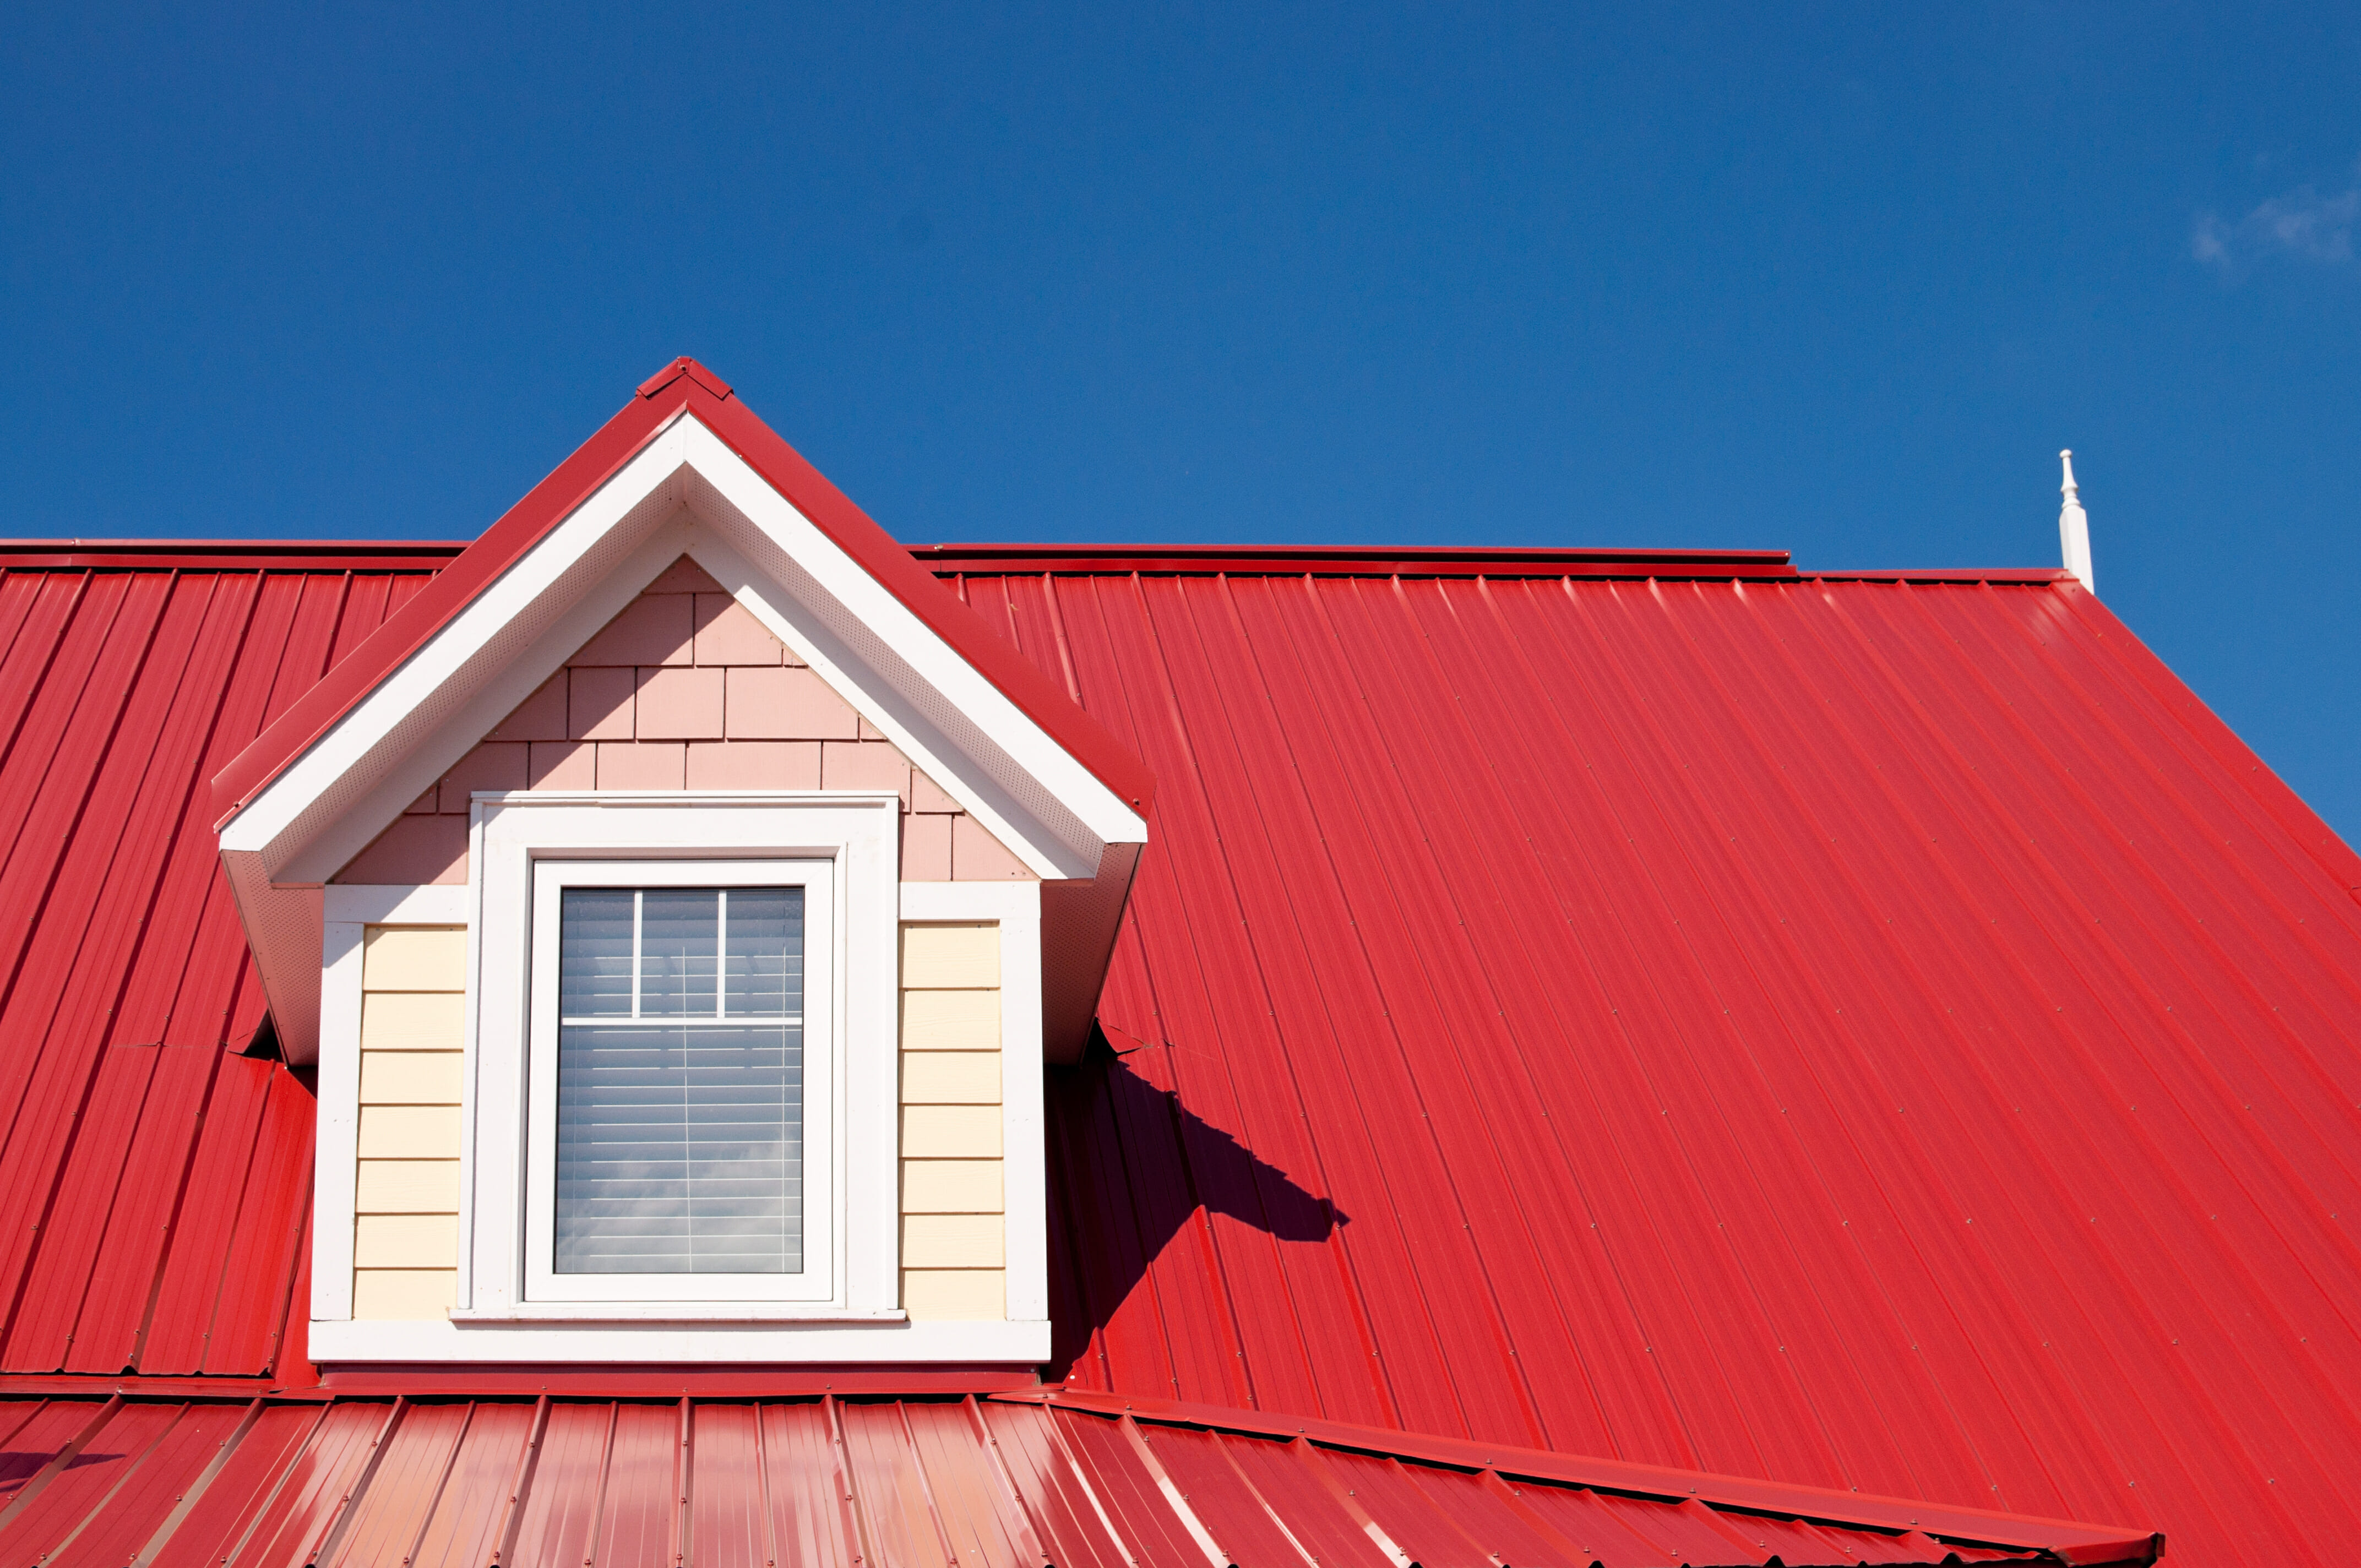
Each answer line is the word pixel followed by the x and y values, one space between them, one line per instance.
pixel 2301 225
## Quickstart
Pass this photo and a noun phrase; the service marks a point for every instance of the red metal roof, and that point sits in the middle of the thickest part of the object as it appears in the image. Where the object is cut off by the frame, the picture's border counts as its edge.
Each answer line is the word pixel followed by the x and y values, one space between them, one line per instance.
pixel 1864 1033
pixel 826 1483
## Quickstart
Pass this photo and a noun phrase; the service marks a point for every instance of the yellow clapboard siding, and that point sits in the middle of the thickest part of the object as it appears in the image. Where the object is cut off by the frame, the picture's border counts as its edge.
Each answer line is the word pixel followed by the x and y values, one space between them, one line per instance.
pixel 414 957
pixel 410 1132
pixel 951 1187
pixel 971 1294
pixel 407 1187
pixel 951 957
pixel 414 1021
pixel 410 1078
pixel 406 1241
pixel 953 1241
pixel 382 1293
pixel 950 1078
pixel 950 1020
pixel 951 1132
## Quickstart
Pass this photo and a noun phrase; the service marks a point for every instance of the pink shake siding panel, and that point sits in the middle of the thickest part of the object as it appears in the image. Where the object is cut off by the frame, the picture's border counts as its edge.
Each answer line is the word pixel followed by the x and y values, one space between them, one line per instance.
pixel 540 717
pixel 684 576
pixel 563 765
pixel 864 764
pixel 496 764
pixel 643 764
pixel 925 849
pixel 655 628
pixel 754 764
pixel 727 633
pixel 786 704
pixel 743 715
pixel 414 850
pixel 679 705
pixel 598 703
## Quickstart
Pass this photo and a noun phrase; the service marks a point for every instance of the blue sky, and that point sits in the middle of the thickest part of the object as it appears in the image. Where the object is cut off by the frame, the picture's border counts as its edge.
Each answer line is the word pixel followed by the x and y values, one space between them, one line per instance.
pixel 1839 279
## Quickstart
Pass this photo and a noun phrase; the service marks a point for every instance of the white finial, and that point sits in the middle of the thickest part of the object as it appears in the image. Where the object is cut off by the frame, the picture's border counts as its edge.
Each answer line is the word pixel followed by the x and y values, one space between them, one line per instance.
pixel 2074 527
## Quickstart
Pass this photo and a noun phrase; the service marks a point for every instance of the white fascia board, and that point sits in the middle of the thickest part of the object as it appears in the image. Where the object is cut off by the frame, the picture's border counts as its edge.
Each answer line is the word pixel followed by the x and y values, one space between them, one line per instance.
pixel 391 903
pixel 881 1342
pixel 685 492
pixel 331 778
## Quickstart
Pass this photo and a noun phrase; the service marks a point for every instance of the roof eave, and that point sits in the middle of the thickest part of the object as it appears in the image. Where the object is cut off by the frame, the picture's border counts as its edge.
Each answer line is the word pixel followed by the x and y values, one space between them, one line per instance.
pixel 2087 1546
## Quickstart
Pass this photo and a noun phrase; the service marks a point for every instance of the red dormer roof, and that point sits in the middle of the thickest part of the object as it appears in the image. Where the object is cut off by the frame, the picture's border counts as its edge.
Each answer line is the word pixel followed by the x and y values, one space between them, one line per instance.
pixel 684 386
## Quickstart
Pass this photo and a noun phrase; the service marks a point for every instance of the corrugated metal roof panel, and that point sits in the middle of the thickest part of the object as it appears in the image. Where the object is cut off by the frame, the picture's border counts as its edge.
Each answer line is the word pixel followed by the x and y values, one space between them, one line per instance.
pixel 1859 1033
pixel 1863 1033
pixel 742 1484
pixel 124 975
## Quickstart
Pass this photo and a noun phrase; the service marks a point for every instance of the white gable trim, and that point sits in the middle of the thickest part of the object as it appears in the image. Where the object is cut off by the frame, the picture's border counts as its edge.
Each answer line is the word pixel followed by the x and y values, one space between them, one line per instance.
pixel 685 492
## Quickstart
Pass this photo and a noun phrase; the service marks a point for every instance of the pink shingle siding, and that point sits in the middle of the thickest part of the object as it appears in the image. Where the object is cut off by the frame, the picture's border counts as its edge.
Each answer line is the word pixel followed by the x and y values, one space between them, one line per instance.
pixel 684 689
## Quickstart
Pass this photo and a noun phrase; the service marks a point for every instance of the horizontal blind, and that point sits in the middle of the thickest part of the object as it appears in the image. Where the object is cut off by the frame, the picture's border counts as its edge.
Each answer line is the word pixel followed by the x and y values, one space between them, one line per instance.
pixel 680 1081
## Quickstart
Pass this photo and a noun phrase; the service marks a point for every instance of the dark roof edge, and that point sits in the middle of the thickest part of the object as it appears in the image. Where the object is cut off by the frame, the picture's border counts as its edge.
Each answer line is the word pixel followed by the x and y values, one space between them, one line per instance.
pixel 229 554
pixel 2088 1546
pixel 1351 560
pixel 995 560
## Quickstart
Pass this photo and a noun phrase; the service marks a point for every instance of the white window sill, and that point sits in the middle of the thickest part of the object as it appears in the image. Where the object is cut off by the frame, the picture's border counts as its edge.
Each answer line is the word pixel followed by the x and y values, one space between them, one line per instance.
pixel 669 1312
pixel 492 1341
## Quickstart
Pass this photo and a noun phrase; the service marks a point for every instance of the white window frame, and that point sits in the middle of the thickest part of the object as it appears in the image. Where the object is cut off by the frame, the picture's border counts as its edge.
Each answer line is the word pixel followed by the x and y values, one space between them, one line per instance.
pixel 814 1282
pixel 642 839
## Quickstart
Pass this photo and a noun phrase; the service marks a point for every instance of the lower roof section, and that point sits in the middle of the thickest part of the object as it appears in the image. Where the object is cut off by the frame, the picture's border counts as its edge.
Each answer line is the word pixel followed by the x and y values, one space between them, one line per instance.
pixel 1005 1482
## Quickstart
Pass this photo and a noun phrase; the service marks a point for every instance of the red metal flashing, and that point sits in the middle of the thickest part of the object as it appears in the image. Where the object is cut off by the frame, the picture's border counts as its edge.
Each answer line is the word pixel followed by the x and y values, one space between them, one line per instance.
pixel 2062 1538
pixel 683 365
pixel 2029 575
pixel 733 1382
pixel 1352 561
pixel 226 554
pixel 683 388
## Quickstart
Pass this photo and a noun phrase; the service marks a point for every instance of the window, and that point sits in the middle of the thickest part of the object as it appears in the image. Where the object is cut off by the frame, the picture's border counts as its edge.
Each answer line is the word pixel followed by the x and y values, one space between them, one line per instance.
pixel 675 1028
pixel 680 1081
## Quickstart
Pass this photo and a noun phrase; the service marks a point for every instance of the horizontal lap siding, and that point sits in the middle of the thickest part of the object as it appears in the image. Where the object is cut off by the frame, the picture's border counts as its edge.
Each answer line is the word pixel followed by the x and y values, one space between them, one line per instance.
pixel 406 1225
pixel 954 1234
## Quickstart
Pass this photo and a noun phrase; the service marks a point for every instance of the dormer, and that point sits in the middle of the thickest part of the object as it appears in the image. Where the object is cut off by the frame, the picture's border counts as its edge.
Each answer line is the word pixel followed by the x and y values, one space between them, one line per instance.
pixel 679 898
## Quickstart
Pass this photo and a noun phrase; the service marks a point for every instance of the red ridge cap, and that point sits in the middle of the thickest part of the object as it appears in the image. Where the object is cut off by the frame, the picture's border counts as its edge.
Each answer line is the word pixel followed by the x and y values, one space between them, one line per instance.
pixel 2065 1540
pixel 682 386
pixel 683 365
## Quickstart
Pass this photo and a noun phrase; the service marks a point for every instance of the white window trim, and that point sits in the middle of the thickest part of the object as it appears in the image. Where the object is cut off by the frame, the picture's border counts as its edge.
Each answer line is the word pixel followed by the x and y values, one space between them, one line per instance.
pixel 859 834
pixel 488 1330
pixel 734 1295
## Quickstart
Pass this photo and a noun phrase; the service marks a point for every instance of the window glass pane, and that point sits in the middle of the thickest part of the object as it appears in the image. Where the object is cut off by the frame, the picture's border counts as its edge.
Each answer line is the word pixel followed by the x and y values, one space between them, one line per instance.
pixel 763 969
pixel 594 967
pixel 679 946
pixel 680 1137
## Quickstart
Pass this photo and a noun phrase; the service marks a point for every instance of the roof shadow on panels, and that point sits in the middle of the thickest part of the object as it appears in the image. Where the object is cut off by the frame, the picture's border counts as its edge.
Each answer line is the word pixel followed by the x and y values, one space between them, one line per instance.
pixel 1182 1164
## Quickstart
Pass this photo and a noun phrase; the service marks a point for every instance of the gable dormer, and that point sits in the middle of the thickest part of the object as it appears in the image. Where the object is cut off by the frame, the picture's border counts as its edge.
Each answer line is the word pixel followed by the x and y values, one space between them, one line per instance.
pixel 679 897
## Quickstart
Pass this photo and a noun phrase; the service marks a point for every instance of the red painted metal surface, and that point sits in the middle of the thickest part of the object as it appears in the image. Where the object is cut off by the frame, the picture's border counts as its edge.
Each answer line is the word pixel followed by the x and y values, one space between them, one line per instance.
pixel 825 1483
pixel 153 1183
pixel 1856 1033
